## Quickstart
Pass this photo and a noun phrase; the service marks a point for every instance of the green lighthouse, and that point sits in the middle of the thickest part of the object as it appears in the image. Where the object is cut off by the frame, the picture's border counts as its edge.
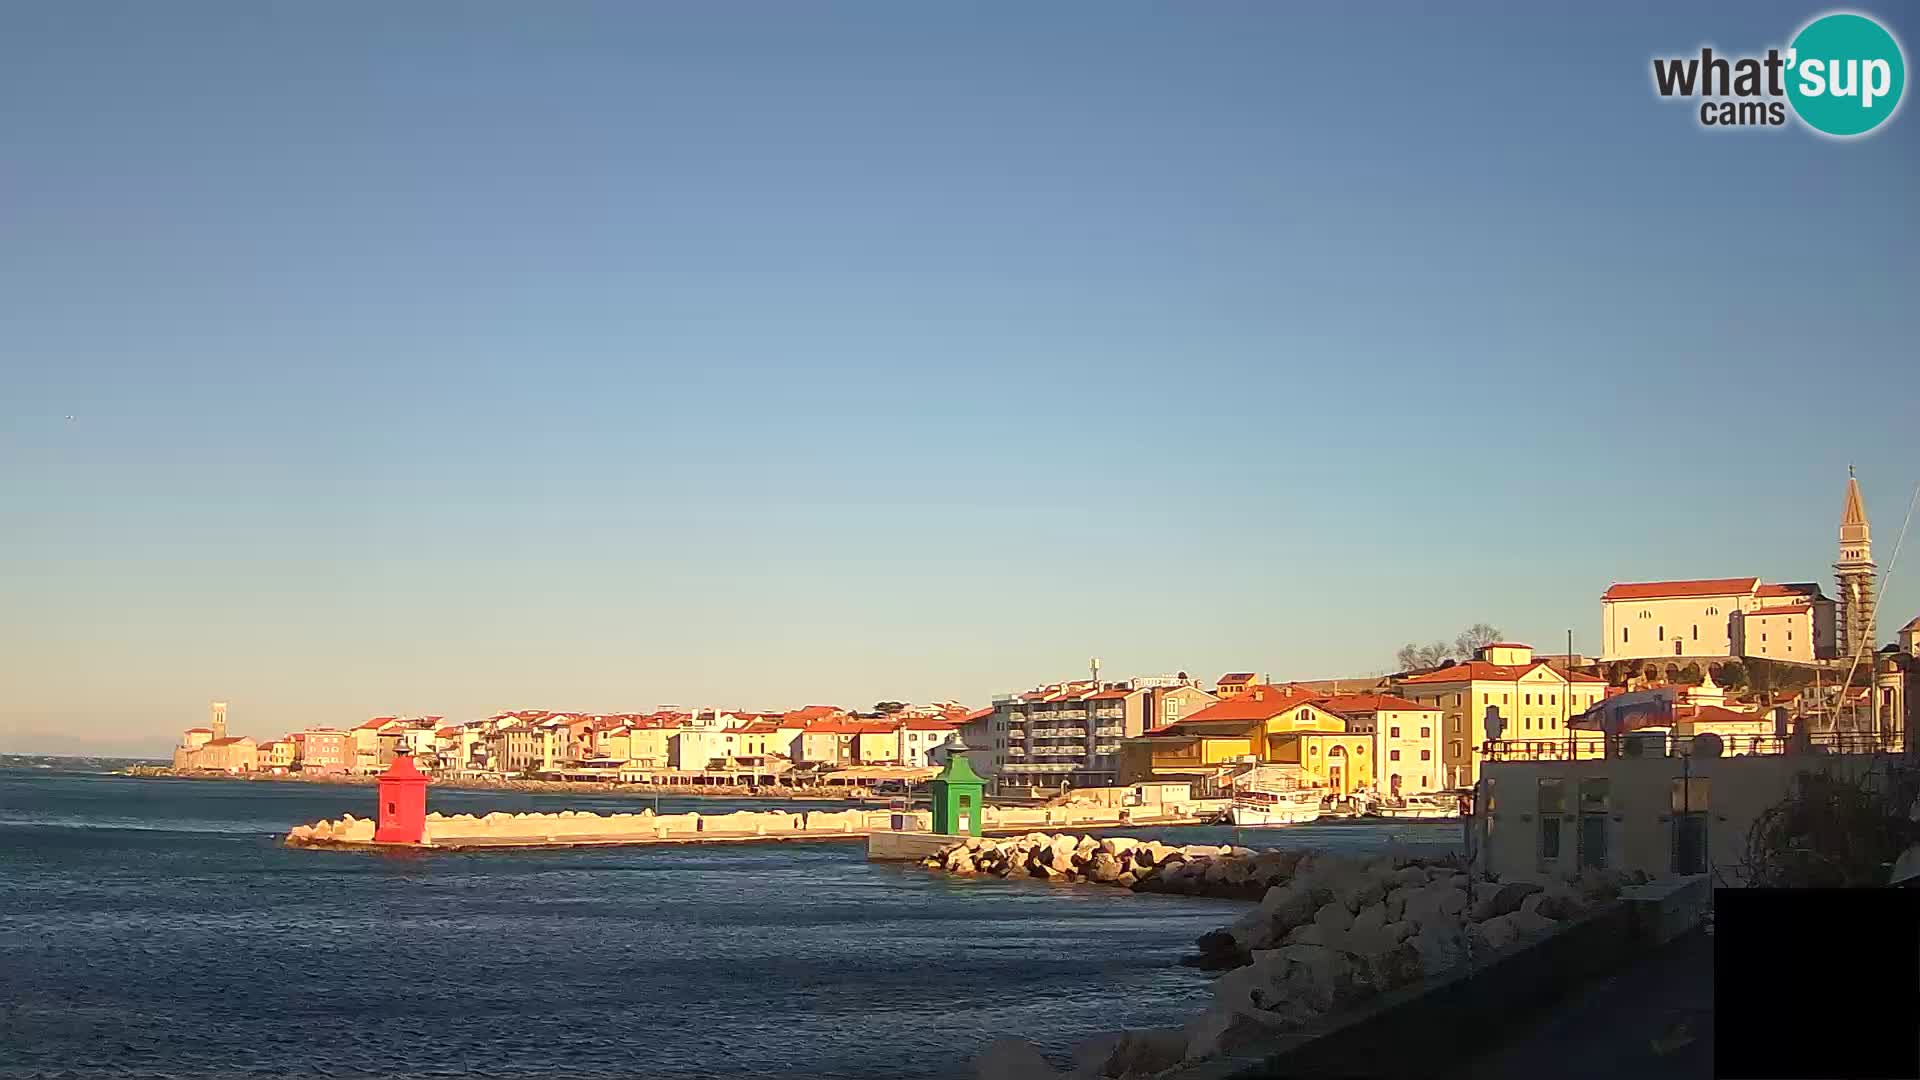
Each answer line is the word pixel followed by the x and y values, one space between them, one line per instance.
pixel 956 793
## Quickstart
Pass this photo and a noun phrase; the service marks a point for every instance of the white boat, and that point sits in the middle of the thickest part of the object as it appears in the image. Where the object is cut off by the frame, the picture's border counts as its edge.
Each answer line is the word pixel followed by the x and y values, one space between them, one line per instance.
pixel 1422 808
pixel 1258 810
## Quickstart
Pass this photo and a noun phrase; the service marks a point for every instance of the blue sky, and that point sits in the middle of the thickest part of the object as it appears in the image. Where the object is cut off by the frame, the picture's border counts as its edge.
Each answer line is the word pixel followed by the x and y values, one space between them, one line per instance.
pixel 449 358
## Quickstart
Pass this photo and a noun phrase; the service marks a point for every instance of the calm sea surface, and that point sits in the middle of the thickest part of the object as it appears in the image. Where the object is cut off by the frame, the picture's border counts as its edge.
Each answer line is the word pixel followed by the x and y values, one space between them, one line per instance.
pixel 156 928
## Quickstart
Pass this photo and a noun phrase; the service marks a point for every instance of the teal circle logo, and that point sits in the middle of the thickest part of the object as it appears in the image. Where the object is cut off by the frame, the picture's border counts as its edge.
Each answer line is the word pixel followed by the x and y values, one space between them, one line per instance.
pixel 1845 74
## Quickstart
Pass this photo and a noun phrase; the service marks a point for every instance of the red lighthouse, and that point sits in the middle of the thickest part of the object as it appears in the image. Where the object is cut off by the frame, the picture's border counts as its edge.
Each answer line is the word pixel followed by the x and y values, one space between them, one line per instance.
pixel 403 804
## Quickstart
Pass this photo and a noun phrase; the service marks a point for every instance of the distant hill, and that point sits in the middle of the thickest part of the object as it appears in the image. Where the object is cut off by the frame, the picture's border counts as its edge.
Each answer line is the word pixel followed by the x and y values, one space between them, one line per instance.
pixel 72 763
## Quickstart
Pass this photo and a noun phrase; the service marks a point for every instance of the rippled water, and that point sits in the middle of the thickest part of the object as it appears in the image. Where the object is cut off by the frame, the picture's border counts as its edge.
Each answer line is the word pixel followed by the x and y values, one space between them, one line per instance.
pixel 157 928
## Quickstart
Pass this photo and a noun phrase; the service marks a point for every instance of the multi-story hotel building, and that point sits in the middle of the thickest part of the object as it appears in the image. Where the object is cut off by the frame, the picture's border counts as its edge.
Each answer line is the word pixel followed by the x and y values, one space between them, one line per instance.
pixel 1071 732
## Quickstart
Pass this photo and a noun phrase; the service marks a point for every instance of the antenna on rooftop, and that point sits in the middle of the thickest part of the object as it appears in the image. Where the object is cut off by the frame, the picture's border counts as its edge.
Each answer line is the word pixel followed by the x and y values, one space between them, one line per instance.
pixel 1096 672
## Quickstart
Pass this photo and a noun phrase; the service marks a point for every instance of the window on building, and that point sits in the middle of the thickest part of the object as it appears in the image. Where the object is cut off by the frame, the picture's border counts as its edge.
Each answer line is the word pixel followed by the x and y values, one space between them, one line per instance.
pixel 1453 748
pixel 1425 781
pixel 1624 635
pixel 1393 755
pixel 1393 732
pixel 1660 633
pixel 1426 755
pixel 1526 723
pixel 1426 733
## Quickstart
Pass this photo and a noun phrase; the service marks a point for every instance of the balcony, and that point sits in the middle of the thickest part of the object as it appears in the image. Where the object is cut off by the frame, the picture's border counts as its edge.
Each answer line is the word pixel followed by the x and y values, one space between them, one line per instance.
pixel 1114 730
pixel 1016 751
pixel 1016 735
pixel 1107 749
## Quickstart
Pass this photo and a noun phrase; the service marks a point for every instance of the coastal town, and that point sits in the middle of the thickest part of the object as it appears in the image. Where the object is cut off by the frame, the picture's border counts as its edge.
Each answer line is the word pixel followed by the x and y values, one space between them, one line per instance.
pixel 1752 664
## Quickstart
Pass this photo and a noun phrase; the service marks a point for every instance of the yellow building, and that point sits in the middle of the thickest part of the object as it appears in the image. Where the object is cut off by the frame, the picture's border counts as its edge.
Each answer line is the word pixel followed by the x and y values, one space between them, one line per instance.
pixel 1266 725
pixel 1235 683
pixel 1534 699
pixel 1406 740
pixel 277 754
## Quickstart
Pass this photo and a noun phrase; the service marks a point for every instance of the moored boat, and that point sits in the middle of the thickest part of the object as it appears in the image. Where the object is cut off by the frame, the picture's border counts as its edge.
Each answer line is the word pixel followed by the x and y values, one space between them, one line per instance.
pixel 1255 810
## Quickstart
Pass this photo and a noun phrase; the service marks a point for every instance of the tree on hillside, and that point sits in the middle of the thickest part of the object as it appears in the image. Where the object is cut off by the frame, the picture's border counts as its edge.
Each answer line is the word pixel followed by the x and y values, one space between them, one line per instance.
pixel 1690 675
pixel 1732 674
pixel 888 708
pixel 1474 638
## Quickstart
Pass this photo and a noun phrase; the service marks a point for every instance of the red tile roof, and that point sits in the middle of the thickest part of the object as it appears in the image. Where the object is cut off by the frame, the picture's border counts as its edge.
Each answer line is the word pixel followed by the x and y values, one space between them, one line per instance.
pixel 1369 703
pixel 835 727
pixel 1664 590
pixel 1782 609
pixel 1110 695
pixel 206 730
pixel 377 723
pixel 1716 714
pixel 927 723
pixel 1234 677
pixel 229 742
pixel 1258 703
pixel 981 714
pixel 1482 671
pixel 1788 590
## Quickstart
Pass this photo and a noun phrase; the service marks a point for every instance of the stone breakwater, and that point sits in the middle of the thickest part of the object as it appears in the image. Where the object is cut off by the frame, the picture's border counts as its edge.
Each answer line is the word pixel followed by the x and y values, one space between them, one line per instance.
pixel 581 827
pixel 1327 934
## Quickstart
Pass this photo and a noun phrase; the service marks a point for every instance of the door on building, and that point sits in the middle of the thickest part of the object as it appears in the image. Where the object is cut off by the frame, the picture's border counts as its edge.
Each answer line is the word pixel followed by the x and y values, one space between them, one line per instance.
pixel 1337 770
pixel 1595 808
pixel 1690 806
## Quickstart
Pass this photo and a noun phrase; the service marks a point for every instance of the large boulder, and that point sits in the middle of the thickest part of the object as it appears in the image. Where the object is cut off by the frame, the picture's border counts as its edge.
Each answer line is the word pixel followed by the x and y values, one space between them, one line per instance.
pixel 1434 905
pixel 1494 934
pixel 1378 970
pixel 1289 905
pixel 1372 917
pixel 1219 949
pixel 1441 948
pixel 1503 900
pixel 1558 902
pixel 1146 1052
pixel 1256 985
pixel 1224 1031
pixel 1103 868
pixel 1321 976
pixel 1410 877
pixel 1333 916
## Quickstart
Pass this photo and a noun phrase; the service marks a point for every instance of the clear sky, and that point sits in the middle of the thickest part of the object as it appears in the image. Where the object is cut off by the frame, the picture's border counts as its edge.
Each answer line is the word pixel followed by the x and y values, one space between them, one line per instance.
pixel 454 357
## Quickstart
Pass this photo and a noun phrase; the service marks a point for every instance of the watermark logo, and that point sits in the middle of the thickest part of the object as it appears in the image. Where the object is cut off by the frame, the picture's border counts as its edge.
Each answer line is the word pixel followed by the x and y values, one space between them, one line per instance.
pixel 1842 75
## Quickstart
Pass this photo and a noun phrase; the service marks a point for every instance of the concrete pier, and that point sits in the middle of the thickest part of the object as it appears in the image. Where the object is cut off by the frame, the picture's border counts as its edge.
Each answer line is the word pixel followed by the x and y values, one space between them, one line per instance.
pixel 568 828
pixel 907 846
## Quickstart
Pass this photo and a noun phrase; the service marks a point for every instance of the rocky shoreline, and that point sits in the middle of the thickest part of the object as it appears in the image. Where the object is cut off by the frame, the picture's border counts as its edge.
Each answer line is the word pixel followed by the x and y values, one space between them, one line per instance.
pixel 1328 933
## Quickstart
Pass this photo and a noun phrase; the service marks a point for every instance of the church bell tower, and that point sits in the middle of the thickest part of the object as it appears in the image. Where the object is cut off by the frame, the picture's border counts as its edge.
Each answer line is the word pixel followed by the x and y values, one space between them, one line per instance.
pixel 1855 575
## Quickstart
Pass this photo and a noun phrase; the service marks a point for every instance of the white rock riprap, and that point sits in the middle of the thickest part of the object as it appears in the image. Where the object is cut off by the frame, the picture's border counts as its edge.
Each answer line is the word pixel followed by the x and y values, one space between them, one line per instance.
pixel 1327 933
